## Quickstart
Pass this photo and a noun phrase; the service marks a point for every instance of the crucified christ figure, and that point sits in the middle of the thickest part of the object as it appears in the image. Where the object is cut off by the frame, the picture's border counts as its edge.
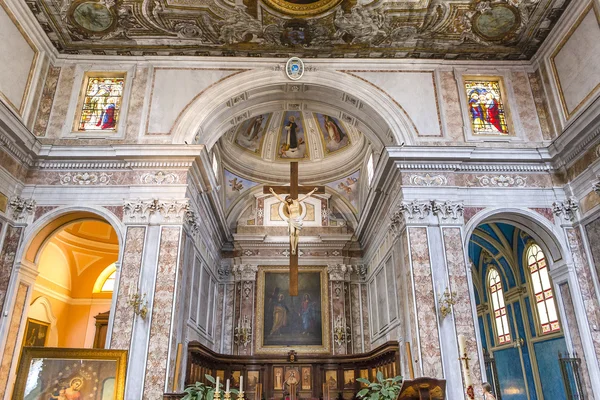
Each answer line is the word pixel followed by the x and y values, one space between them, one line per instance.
pixel 294 216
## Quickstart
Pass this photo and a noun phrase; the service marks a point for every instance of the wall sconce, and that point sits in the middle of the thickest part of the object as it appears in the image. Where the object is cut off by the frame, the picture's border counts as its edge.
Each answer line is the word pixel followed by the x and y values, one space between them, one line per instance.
pixel 242 334
pixel 138 302
pixel 446 302
pixel 341 332
pixel 519 343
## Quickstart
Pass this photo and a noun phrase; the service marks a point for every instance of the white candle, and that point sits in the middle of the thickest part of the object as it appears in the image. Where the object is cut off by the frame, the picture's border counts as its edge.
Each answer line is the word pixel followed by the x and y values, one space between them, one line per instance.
pixel 227 386
pixel 241 383
pixel 217 386
pixel 462 345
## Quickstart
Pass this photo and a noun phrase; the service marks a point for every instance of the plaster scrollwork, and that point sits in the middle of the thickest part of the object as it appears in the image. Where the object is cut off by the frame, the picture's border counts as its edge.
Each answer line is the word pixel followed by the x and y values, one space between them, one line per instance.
pixel 85 178
pixel 224 270
pixel 245 272
pixel 428 180
pixel 21 208
pixel 596 187
pixel 416 209
pixel 568 209
pixel 191 219
pixel 339 272
pixel 396 222
pixel 448 209
pixel 361 270
pixel 159 178
pixel 502 181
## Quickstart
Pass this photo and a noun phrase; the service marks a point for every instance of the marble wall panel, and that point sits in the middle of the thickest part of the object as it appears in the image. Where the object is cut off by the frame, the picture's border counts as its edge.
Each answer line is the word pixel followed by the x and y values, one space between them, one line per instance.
pixel 348 316
pixel 586 284
pixel 180 318
pixel 219 320
pixel 12 335
pixel 575 334
pixel 546 212
pixel 365 320
pixel 411 307
pixel 526 107
pixel 12 166
pixel 470 212
pixel 136 103
pixel 337 307
pixel 355 320
pixel 12 239
pixel 45 107
pixel 58 116
pixel 42 210
pixel 237 312
pixel 247 311
pixel 162 311
pixel 228 321
pixel 463 315
pixel 431 356
pixel 553 112
pixel 593 233
pixel 541 105
pixel 129 278
pixel 451 106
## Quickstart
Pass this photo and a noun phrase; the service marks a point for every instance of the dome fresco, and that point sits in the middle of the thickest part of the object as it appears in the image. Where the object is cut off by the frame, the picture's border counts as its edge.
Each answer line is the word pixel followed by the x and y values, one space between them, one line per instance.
pixel 292 131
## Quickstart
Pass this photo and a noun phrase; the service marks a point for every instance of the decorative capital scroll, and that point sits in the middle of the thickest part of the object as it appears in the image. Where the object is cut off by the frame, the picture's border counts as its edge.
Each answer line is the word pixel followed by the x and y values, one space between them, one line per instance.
pixel 191 219
pixel 21 208
pixel 361 270
pixel 428 180
pixel 567 208
pixel 339 272
pixel 171 211
pixel 245 272
pixel 502 181
pixel 416 209
pixel 448 209
pixel 223 271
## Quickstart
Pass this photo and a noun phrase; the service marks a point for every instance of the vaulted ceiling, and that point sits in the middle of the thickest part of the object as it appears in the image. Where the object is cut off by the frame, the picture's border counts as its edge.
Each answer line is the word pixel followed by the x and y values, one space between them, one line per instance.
pixel 446 29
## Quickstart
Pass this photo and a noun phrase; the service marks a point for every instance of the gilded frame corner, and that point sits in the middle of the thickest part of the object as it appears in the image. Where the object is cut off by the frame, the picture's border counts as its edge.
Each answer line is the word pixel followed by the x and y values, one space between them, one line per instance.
pixel 260 348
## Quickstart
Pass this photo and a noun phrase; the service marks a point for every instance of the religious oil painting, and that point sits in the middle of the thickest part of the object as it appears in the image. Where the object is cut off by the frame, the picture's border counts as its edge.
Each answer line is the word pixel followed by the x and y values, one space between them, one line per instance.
pixel 234 187
pixel 292 377
pixel 348 188
pixel 36 333
pixel 331 379
pixel 487 110
pixel 235 379
pixel 292 139
pixel 253 379
pixel 364 374
pixel 101 105
pixel 306 378
pixel 299 321
pixel 278 378
pixel 53 373
pixel 251 132
pixel 349 379
pixel 332 133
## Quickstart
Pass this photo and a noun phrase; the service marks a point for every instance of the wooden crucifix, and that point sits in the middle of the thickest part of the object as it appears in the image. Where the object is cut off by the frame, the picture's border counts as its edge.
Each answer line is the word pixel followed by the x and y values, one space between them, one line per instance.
pixel 293 207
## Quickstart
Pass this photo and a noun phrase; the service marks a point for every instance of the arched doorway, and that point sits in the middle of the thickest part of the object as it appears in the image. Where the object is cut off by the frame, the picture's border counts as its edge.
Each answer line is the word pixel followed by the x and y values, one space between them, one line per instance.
pixel 521 327
pixel 76 273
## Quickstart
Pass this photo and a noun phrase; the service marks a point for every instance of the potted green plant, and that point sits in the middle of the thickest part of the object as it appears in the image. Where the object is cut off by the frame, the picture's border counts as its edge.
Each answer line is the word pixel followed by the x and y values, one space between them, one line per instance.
pixel 200 391
pixel 381 389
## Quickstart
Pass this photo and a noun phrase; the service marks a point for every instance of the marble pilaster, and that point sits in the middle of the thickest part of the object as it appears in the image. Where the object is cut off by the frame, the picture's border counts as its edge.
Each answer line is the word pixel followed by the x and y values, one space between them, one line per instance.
pixel 16 320
pixel 10 245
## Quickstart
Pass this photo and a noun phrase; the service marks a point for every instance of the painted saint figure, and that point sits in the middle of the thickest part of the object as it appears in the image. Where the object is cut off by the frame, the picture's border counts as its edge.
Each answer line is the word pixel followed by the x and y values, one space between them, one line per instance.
pixel 292 206
pixel 255 128
pixel 493 112
pixel 280 311
pixel 477 114
pixel 333 130
pixel 292 136
pixel 307 314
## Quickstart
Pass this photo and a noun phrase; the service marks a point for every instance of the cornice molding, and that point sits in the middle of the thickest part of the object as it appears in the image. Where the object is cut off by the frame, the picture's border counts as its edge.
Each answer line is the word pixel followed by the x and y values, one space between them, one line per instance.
pixel 110 165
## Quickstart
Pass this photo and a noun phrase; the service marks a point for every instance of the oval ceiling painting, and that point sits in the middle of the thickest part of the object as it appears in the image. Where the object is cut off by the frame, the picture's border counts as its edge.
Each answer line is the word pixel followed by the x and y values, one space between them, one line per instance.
pixel 302 8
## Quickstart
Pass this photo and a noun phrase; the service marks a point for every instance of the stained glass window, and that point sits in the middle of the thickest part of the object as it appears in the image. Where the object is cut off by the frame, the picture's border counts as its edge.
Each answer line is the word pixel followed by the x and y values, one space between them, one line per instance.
pixel 486 107
pixel 101 104
pixel 370 170
pixel 542 289
pixel 498 306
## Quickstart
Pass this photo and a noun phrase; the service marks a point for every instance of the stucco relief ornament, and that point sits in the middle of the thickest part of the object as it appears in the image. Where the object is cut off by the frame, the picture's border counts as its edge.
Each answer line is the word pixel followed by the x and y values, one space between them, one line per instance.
pixel 21 208
pixel 223 271
pixel 294 68
pixel 448 209
pixel 159 178
pixel 567 208
pixel 192 221
pixel 502 181
pixel 173 210
pixel 339 272
pixel 596 187
pixel 416 209
pixel 428 180
pixel 85 178
pixel 245 272
pixel 139 210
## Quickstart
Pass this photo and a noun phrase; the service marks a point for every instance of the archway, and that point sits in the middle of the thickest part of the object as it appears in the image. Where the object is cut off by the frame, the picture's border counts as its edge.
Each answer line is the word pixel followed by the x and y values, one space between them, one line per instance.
pixel 521 326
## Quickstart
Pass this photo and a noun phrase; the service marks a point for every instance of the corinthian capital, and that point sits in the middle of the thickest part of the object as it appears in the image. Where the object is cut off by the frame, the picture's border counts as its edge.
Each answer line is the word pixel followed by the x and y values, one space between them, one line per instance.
pixel 448 209
pixel 21 208
pixel 339 272
pixel 245 272
pixel 567 209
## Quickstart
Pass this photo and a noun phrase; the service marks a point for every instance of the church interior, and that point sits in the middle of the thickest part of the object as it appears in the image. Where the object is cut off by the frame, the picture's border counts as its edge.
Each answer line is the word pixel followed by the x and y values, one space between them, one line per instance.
pixel 300 199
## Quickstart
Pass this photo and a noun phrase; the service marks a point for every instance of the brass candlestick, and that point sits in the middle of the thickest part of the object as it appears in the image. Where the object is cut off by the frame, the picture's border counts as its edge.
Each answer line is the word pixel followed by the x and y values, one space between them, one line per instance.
pixel 217 395
pixel 240 395
pixel 227 396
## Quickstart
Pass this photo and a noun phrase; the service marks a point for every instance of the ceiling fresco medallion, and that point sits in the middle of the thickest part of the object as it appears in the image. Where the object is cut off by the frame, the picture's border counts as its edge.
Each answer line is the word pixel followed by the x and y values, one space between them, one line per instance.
pixel 497 22
pixel 91 17
pixel 302 8
pixel 294 68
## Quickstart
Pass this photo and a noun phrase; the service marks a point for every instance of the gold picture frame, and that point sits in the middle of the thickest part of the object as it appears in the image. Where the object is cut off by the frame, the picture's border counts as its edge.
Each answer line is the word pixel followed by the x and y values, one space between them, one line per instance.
pixel 58 371
pixel 267 341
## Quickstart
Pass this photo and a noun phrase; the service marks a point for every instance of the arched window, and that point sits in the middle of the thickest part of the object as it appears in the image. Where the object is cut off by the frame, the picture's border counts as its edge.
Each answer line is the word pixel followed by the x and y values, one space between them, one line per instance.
pixel 109 283
pixel 215 166
pixel 498 306
pixel 370 170
pixel 542 289
pixel 106 280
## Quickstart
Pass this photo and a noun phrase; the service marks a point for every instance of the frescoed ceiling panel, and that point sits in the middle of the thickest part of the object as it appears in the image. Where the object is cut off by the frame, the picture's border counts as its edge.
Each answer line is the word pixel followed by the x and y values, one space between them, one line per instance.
pixel 452 29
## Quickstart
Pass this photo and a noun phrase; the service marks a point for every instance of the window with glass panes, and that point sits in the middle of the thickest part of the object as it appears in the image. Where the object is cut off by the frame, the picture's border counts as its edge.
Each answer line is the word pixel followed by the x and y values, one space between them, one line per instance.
pixel 542 290
pixel 499 307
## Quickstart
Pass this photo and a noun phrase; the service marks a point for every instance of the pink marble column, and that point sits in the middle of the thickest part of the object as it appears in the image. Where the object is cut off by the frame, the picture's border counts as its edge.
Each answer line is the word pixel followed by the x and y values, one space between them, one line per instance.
pixel 431 357
pixel 246 312
pixel 218 317
pixel 11 340
pixel 575 334
pixel 586 285
pixel 129 277
pixel 162 311
pixel 463 315
pixel 337 307
pixel 355 305
pixel 7 259
pixel 365 312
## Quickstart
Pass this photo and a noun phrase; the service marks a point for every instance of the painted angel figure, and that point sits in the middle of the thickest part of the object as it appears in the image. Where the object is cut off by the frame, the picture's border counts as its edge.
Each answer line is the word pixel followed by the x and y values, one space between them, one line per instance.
pixel 292 206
